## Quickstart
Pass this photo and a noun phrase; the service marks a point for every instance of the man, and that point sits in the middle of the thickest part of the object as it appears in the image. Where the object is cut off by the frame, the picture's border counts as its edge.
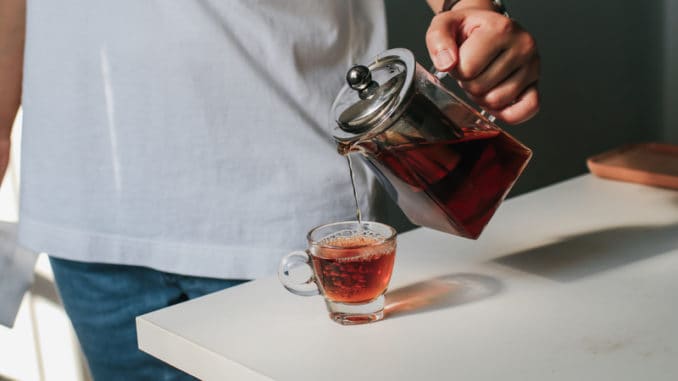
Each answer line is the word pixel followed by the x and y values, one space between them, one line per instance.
pixel 171 149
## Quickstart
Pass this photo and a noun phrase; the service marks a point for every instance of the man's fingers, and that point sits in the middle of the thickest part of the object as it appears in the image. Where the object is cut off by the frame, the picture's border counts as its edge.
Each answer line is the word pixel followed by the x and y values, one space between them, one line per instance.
pixel 497 71
pixel 477 52
pixel 513 57
pixel 525 107
pixel 512 87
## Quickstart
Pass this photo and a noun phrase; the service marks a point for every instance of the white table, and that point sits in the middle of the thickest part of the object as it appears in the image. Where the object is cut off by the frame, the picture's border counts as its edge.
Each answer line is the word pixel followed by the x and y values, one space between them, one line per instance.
pixel 577 281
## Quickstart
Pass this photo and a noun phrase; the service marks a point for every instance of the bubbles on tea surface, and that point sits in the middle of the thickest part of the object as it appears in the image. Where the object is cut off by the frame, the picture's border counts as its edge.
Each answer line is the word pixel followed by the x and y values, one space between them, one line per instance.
pixel 355 241
pixel 353 238
pixel 355 245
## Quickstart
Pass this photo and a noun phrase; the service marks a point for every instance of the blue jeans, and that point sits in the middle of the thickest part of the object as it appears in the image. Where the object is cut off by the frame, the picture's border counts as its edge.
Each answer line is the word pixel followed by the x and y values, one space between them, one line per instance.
pixel 102 301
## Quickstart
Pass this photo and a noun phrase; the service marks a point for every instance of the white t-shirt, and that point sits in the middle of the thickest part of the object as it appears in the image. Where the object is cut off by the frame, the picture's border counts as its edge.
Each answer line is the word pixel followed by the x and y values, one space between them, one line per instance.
pixel 190 136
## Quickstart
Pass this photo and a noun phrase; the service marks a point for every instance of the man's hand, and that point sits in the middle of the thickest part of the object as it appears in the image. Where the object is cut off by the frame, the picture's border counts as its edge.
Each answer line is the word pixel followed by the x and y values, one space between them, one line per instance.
pixel 493 59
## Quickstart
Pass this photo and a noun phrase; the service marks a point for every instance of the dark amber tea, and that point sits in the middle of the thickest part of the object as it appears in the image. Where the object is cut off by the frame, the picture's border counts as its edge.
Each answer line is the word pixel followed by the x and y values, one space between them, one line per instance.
pixel 353 269
pixel 467 178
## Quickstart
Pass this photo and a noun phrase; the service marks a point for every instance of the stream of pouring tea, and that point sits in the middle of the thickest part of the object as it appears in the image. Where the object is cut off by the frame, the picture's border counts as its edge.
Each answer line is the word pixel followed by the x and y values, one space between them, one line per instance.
pixel 355 194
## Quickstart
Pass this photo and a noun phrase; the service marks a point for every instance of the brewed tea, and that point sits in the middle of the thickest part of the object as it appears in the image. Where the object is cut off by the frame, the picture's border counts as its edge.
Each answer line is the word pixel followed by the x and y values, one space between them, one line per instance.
pixel 467 178
pixel 354 269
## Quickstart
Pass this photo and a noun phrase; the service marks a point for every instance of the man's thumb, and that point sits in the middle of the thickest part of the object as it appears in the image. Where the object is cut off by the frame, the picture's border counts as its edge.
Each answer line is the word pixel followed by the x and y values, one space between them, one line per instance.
pixel 441 40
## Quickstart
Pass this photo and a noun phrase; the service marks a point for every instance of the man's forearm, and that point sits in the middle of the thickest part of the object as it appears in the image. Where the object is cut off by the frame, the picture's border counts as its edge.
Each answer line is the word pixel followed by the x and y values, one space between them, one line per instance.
pixel 12 34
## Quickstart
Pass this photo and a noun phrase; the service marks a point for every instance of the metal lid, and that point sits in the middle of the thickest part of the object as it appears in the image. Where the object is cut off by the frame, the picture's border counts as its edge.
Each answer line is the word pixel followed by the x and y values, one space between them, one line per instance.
pixel 374 94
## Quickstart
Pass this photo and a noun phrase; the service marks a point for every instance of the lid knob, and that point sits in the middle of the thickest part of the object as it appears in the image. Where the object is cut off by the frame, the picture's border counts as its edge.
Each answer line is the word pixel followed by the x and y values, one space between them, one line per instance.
pixel 359 78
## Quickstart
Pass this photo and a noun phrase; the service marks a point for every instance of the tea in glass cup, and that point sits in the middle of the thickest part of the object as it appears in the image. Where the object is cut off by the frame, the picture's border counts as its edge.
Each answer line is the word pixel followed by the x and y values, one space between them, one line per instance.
pixel 351 264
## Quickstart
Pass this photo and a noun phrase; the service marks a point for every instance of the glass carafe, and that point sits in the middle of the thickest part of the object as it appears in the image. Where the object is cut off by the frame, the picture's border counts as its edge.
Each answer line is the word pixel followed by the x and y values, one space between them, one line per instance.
pixel 447 165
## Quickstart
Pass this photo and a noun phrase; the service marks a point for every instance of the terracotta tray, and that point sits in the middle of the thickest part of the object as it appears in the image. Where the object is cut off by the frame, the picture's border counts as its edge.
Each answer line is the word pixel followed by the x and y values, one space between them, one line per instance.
pixel 646 163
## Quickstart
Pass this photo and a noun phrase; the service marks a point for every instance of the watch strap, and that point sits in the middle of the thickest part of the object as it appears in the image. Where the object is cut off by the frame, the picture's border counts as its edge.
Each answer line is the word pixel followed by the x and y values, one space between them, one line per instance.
pixel 499 5
pixel 447 5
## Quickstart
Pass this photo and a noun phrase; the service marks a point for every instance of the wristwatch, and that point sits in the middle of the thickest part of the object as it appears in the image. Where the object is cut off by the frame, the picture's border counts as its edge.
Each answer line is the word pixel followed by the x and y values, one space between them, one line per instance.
pixel 499 5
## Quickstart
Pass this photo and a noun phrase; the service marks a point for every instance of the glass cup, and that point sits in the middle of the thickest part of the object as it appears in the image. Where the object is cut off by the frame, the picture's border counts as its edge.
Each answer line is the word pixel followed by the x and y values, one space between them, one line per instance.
pixel 351 265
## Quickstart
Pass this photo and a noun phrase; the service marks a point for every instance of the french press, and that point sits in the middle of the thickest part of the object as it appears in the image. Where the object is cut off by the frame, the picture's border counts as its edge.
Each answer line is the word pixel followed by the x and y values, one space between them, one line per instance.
pixel 447 165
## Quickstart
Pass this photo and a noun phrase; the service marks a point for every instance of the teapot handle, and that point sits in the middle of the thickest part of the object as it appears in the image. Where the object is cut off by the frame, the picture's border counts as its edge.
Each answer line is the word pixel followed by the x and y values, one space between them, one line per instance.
pixel 442 74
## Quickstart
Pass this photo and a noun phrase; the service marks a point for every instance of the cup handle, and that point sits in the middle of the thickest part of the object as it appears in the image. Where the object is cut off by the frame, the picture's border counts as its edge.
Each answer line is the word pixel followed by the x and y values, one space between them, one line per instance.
pixel 291 260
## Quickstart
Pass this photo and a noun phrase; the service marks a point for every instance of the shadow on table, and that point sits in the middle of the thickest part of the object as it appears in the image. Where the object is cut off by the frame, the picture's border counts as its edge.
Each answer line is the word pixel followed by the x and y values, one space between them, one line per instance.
pixel 439 293
pixel 587 254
